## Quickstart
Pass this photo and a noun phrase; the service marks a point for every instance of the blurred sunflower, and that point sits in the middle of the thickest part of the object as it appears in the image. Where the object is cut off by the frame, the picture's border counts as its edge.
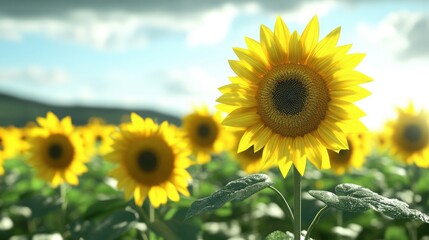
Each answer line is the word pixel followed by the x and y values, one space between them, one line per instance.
pixel 56 151
pixel 96 136
pixel 380 140
pixel 352 158
pixel 249 160
pixel 205 134
pixel 294 96
pixel 152 161
pixel 408 136
pixel 9 142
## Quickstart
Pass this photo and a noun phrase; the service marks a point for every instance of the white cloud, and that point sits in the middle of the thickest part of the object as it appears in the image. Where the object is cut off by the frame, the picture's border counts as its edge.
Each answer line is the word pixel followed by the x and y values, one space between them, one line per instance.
pixel 213 26
pixel 307 10
pixel 121 30
pixel 35 75
pixel 391 35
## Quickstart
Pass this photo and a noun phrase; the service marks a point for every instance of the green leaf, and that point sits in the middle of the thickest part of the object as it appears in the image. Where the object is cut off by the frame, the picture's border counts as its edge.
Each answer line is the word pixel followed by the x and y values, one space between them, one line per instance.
pixel 236 190
pixel 279 235
pixel 354 198
pixel 113 226
pixel 104 207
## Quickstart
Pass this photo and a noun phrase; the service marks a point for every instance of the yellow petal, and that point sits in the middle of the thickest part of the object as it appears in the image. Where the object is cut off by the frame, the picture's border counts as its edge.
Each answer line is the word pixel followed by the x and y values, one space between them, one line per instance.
pixel 172 193
pixel 246 140
pixel 310 35
pixel 271 46
pixel 243 72
pixel 241 117
pixel 282 33
pixel 295 48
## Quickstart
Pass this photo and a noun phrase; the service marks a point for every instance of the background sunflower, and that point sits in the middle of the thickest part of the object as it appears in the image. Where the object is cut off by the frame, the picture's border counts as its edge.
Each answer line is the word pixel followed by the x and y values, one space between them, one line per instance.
pixel 151 161
pixel 353 158
pixel 205 134
pixel 408 136
pixel 56 151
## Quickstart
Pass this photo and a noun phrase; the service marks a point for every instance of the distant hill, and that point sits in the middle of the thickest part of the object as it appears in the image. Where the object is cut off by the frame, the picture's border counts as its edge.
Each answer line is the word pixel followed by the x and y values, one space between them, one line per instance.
pixel 18 112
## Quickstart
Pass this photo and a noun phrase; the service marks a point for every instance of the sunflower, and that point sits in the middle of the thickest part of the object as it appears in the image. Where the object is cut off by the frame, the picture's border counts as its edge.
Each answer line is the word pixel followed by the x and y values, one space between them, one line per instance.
pixel 205 134
pixel 9 142
pixel 408 136
pixel 151 160
pixel 96 136
pixel 249 160
pixel 56 151
pixel 354 157
pixel 294 96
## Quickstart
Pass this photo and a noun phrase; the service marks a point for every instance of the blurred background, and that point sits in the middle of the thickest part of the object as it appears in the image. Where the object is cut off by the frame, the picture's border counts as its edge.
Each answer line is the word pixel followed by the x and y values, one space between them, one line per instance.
pixel 168 56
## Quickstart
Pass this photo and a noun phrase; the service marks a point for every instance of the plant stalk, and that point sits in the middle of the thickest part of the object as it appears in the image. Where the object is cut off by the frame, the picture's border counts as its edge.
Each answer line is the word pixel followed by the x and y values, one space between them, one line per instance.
pixel 297 204
pixel 315 220
pixel 289 211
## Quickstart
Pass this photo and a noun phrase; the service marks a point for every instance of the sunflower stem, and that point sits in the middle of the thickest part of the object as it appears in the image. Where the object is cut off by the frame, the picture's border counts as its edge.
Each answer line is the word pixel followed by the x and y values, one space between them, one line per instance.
pixel 297 204
pixel 151 221
pixel 315 220
pixel 289 210
pixel 63 199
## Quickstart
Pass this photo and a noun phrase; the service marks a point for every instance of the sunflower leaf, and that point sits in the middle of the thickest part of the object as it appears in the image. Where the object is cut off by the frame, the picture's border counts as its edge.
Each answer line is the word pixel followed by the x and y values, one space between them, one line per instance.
pixel 236 190
pixel 354 198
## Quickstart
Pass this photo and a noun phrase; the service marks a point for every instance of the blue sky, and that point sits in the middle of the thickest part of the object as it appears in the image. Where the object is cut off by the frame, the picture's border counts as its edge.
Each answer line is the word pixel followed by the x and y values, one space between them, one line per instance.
pixel 170 55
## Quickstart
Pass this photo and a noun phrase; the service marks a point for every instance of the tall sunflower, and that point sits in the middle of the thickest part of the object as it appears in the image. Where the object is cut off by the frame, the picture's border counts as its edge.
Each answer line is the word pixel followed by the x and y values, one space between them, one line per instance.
pixel 294 95
pixel 408 136
pixel 56 151
pixel 352 158
pixel 151 160
pixel 205 134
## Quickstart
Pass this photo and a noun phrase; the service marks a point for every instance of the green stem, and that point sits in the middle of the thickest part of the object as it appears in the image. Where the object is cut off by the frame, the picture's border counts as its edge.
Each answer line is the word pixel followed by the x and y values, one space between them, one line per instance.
pixel 151 220
pixel 297 204
pixel 289 211
pixel 315 220
pixel 414 174
pixel 63 198
pixel 63 192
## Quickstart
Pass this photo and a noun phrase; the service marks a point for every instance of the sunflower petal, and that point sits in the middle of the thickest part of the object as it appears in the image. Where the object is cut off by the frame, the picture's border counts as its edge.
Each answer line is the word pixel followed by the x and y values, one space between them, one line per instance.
pixel 310 35
pixel 295 48
pixel 282 33
pixel 241 117
pixel 271 46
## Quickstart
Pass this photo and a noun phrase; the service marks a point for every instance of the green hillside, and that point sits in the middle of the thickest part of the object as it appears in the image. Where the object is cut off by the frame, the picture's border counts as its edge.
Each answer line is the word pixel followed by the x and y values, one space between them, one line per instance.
pixel 17 111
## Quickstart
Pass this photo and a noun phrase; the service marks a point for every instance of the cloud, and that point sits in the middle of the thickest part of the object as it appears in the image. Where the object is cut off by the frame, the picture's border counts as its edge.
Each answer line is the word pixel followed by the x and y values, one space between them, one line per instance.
pixel 403 34
pixel 61 8
pixel 115 25
pixel 194 80
pixel 35 75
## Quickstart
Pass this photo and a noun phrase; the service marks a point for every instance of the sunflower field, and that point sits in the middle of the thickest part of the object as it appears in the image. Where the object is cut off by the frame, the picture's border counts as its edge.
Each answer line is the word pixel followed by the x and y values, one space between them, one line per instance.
pixel 239 172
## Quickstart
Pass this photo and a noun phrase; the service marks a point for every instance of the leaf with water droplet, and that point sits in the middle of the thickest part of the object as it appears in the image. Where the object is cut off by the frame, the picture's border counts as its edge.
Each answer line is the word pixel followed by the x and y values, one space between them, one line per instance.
pixel 236 190
pixel 354 198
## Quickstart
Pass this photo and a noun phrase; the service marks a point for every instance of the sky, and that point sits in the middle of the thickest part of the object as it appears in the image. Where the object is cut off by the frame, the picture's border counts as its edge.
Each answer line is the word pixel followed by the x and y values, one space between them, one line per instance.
pixel 172 55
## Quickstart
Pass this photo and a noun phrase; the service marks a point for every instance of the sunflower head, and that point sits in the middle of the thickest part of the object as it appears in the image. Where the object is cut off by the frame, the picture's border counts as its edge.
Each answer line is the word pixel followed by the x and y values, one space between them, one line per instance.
pixel 151 161
pixel 205 134
pixel 352 158
pixel 408 136
pixel 294 95
pixel 56 151
pixel 96 136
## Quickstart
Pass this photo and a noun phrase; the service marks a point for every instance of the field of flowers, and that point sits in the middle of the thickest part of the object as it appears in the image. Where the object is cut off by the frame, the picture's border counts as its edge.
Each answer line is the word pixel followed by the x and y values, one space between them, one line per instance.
pixel 273 161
